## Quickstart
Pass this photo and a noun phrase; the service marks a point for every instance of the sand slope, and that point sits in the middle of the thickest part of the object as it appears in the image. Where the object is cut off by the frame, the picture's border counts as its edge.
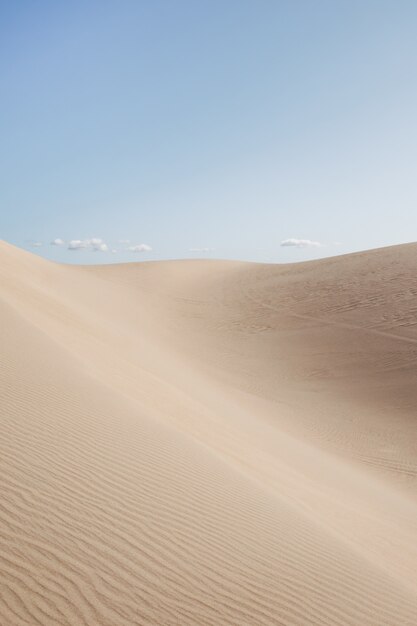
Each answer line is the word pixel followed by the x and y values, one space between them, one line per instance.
pixel 201 442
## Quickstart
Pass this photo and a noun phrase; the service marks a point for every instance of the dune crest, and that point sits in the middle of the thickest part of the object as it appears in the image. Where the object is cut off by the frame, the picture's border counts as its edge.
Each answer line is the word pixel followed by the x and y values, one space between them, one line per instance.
pixel 208 442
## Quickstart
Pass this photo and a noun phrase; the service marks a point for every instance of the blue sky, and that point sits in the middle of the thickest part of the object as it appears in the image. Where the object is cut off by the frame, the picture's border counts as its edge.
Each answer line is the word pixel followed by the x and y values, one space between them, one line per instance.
pixel 207 128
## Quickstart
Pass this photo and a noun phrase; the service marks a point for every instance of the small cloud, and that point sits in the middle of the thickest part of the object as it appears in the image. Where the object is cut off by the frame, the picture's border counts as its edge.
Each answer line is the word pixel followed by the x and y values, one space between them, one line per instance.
pixel 142 247
pixel 300 243
pixel 57 242
pixel 101 247
pixel 96 244
pixel 36 244
pixel 78 244
pixel 201 249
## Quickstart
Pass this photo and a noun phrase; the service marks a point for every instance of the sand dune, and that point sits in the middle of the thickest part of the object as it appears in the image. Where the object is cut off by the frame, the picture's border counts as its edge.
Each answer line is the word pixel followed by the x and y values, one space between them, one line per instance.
pixel 208 442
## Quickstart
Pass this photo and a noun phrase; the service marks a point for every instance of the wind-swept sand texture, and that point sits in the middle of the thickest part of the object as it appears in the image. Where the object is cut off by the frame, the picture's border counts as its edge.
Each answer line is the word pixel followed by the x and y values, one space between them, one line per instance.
pixel 207 442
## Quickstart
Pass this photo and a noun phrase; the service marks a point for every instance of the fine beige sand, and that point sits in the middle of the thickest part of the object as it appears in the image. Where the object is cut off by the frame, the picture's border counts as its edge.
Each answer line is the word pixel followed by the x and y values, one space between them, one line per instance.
pixel 209 442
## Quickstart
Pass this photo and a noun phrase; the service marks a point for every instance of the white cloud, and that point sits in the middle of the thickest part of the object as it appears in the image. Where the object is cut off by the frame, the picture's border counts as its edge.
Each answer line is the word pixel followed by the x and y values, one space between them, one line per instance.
pixel 57 242
pixel 96 244
pixel 78 244
pixel 201 250
pixel 101 247
pixel 142 247
pixel 36 244
pixel 300 243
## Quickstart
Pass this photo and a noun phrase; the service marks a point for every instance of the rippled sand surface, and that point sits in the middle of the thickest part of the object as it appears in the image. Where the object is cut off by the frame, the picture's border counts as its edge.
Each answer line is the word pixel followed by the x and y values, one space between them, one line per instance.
pixel 209 442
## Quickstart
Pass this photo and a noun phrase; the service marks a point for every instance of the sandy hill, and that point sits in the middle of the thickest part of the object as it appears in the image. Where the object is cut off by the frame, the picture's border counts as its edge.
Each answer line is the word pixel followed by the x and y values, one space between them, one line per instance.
pixel 209 443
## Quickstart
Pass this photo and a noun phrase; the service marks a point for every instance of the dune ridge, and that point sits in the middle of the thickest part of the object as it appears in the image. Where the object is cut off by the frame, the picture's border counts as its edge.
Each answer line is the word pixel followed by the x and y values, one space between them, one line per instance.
pixel 208 442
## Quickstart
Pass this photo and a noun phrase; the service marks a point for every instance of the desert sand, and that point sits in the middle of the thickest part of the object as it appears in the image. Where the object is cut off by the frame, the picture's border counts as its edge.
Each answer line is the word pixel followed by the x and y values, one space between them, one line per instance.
pixel 209 442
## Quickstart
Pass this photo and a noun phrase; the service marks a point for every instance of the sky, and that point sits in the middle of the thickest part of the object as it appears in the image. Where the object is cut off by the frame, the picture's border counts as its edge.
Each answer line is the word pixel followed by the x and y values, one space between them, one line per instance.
pixel 261 130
